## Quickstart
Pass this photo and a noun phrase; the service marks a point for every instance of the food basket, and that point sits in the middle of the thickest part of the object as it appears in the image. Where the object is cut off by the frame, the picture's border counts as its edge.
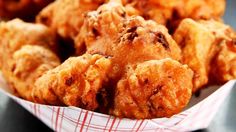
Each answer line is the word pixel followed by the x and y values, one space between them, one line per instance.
pixel 197 115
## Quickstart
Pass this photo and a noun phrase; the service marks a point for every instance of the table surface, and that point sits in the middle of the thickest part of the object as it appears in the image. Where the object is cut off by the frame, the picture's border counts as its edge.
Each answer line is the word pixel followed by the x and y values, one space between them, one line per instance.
pixel 15 118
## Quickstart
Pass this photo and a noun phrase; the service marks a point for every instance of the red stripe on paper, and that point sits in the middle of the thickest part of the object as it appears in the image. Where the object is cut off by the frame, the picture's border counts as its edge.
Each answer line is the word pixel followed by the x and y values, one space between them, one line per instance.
pixel 139 126
pixel 62 117
pixel 89 122
pixel 52 117
pixel 85 117
pixel 117 124
pixel 77 123
pixel 107 123
pixel 58 111
pixel 112 124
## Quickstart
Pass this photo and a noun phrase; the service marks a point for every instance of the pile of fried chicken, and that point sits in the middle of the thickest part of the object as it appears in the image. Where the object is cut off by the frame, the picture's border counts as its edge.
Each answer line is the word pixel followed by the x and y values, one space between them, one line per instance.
pixel 129 58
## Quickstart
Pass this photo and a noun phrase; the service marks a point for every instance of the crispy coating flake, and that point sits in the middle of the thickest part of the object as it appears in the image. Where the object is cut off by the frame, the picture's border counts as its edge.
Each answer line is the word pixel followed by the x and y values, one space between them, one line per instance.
pixel 200 42
pixel 109 31
pixel 26 65
pixel 196 43
pixel 66 16
pixel 155 88
pixel 14 35
pixel 173 11
pixel 224 64
pixel 25 9
pixel 75 83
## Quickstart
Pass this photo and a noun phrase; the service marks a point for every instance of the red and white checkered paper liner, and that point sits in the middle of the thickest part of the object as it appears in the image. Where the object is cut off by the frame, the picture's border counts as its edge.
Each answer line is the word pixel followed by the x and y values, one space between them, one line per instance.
pixel 69 119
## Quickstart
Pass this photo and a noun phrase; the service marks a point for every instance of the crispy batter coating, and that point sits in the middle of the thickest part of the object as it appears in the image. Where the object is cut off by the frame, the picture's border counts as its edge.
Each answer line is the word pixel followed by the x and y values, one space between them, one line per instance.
pixel 66 16
pixel 155 88
pixel 109 31
pixel 196 43
pixel 25 9
pixel 76 82
pixel 224 64
pixel 28 64
pixel 14 35
pixel 101 28
pixel 173 11
pixel 200 42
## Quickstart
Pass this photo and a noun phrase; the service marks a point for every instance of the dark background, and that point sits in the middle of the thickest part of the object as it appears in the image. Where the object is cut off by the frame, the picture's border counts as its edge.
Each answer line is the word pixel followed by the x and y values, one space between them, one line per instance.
pixel 13 118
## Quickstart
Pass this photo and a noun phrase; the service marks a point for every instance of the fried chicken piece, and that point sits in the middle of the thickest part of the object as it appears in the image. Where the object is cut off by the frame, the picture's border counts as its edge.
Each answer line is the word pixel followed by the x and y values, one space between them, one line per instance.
pixel 76 82
pixel 66 16
pixel 25 9
pixel 223 66
pixel 14 35
pixel 28 64
pixel 109 31
pixel 196 43
pixel 199 41
pixel 155 88
pixel 173 11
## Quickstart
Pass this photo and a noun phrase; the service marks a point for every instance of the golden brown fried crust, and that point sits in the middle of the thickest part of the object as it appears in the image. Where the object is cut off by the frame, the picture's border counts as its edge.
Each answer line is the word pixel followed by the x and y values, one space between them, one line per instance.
pixel 200 42
pixel 101 28
pixel 26 65
pixel 224 64
pixel 25 9
pixel 173 11
pixel 196 43
pixel 109 31
pixel 76 82
pixel 156 88
pixel 15 35
pixel 141 41
pixel 66 16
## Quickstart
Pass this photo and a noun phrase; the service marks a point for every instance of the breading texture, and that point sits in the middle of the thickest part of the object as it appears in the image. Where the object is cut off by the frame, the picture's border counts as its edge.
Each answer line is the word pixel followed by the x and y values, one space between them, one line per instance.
pixel 76 82
pixel 25 9
pixel 201 42
pixel 129 41
pixel 155 88
pixel 27 65
pixel 224 64
pixel 15 59
pixel 65 17
pixel 109 31
pixel 196 43
pixel 171 12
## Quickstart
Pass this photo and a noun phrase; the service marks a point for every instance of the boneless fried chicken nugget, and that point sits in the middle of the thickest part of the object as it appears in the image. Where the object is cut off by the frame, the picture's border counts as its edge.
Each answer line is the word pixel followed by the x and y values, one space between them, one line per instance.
pixel 196 42
pixel 109 31
pixel 201 41
pixel 76 82
pixel 155 88
pixel 26 66
pixel 101 28
pixel 224 58
pixel 14 35
pixel 164 11
pixel 25 9
pixel 66 16
pixel 224 64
